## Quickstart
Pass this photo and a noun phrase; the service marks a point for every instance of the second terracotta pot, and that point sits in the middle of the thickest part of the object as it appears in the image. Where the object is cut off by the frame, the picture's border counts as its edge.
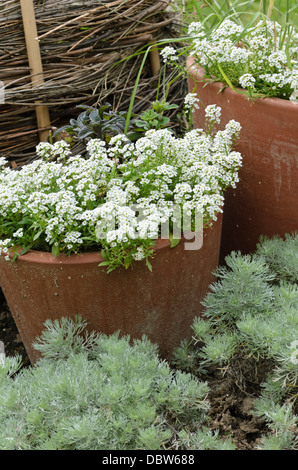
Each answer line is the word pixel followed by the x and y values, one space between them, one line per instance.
pixel 265 201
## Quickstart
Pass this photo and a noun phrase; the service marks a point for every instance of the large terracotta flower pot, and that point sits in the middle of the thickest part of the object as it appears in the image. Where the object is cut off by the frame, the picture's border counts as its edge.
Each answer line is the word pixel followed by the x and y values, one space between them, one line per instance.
pixel 160 304
pixel 265 201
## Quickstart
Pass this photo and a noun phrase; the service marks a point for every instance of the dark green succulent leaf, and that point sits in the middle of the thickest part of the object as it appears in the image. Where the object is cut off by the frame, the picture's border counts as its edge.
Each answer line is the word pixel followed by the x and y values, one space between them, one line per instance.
pixel 84 132
pixel 94 116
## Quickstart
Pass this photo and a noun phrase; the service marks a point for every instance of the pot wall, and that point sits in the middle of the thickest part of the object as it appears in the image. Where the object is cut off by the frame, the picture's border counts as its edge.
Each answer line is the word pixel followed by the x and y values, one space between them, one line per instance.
pixel 265 201
pixel 160 304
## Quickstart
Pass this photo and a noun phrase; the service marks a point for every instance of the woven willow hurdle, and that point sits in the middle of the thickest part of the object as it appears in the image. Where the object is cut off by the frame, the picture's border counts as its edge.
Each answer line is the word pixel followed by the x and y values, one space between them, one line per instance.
pixel 88 53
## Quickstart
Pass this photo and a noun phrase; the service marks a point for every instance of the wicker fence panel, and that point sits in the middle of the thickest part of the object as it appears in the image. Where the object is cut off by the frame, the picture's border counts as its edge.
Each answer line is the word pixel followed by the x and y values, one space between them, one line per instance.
pixel 86 49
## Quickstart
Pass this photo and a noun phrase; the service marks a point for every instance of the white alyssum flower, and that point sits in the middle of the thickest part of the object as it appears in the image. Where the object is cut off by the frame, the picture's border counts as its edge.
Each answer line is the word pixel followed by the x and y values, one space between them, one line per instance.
pixel 226 29
pixel 196 29
pixel 59 149
pixel 140 254
pixel 169 53
pixel 19 233
pixel 213 113
pixel 102 202
pixel 3 162
pixel 260 59
pixel 191 102
pixel 247 80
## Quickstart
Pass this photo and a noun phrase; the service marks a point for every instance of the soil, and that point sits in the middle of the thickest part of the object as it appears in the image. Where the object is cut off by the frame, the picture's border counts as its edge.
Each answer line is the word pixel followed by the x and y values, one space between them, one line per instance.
pixel 231 413
pixel 9 334
pixel 231 408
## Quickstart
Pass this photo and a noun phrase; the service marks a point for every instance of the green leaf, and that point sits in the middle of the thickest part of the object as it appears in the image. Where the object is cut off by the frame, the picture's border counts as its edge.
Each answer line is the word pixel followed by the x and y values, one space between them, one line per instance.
pixel 85 132
pixel 133 136
pixel 127 262
pixel 149 115
pixel 171 106
pixel 164 120
pixel 82 117
pixel 149 265
pixel 25 250
pixel 37 235
pixel 104 263
pixel 94 116
pixel 55 250
pixel 15 256
pixel 174 242
pixel 103 108
pixel 227 80
pixel 68 128
pixel 142 125
pixel 84 106
pixel 161 106
pixel 134 92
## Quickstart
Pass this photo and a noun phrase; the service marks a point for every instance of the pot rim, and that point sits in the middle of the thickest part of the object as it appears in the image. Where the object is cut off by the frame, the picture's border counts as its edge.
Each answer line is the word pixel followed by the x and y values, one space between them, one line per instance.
pixel 196 71
pixel 46 257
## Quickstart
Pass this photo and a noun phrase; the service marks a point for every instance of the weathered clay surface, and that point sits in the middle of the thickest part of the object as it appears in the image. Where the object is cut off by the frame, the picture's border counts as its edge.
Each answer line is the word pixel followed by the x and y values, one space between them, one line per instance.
pixel 160 304
pixel 265 201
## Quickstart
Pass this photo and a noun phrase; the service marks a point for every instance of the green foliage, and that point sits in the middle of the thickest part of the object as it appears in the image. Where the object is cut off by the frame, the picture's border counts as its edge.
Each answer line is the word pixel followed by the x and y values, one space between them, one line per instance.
pixel 104 123
pixel 154 117
pixel 95 123
pixel 205 439
pixel 281 255
pixel 92 391
pixel 244 286
pixel 252 312
pixel 252 305
pixel 219 348
pixel 281 420
pixel 212 12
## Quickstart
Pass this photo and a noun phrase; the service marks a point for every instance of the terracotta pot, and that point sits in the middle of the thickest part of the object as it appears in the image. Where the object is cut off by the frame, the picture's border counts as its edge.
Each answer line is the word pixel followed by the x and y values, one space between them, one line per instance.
pixel 265 201
pixel 160 304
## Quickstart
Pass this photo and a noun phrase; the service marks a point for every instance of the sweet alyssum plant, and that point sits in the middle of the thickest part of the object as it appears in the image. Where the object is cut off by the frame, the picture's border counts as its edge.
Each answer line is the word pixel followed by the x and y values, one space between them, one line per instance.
pixel 68 204
pixel 261 59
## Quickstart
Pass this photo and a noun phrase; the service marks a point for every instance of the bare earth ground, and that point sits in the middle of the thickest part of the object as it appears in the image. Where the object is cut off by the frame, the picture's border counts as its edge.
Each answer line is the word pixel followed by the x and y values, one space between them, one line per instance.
pixel 9 334
pixel 230 411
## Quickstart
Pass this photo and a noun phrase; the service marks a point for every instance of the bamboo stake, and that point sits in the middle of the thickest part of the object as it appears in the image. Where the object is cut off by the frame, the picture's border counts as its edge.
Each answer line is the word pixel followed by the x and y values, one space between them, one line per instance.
pixel 35 63
pixel 154 61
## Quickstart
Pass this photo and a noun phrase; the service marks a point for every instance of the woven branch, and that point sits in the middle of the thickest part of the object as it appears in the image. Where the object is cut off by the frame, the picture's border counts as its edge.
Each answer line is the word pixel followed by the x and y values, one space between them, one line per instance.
pixel 89 55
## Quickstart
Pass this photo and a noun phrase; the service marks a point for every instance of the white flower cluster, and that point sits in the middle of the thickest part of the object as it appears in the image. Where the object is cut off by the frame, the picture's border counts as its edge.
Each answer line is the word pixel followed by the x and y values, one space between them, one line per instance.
pixel 105 200
pixel 196 30
pixel 191 102
pixel 4 247
pixel 260 59
pixel 168 53
pixel 247 81
pixel 3 162
pixel 213 113
pixel 49 151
